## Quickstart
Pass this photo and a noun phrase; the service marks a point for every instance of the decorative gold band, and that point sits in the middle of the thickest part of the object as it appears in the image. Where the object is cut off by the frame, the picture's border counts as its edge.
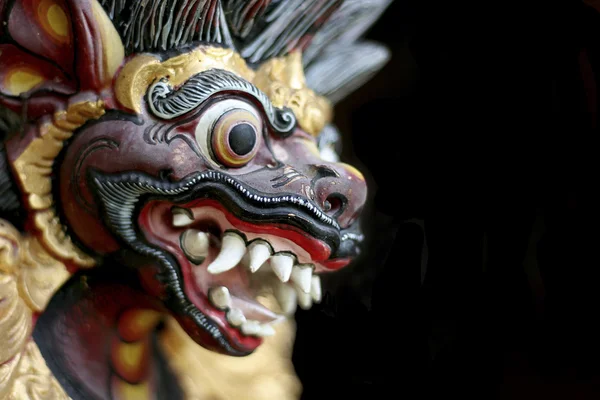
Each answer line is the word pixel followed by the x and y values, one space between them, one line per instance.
pixel 34 169
pixel 281 79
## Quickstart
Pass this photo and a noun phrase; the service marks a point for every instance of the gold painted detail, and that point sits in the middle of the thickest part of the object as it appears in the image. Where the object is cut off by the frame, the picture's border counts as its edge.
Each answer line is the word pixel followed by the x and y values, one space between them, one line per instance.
pixel 139 73
pixel 282 79
pixel 33 380
pixel 22 80
pixel 29 276
pixel 127 391
pixel 34 168
pixel 58 21
pixel 268 374
pixel 130 355
pixel 40 274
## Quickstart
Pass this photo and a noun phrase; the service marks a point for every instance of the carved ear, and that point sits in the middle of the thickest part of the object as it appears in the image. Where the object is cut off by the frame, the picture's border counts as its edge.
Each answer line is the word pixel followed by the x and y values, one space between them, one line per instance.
pixel 99 52
pixel 63 46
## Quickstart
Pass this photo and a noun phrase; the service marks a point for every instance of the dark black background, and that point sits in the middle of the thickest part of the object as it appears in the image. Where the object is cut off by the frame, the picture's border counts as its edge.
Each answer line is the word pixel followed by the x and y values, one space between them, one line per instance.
pixel 480 136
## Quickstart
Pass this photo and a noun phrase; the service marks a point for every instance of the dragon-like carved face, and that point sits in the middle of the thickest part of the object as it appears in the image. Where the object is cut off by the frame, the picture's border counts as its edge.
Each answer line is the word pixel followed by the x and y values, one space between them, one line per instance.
pixel 221 196
pixel 178 148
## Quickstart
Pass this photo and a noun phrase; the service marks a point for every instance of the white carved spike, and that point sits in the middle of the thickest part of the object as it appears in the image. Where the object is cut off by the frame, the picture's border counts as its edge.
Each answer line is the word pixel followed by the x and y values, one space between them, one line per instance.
pixel 196 243
pixel 233 249
pixel 236 317
pixel 181 218
pixel 315 289
pixel 286 297
pixel 259 253
pixel 282 265
pixel 304 299
pixel 220 297
pixel 266 330
pixel 251 328
pixel 301 276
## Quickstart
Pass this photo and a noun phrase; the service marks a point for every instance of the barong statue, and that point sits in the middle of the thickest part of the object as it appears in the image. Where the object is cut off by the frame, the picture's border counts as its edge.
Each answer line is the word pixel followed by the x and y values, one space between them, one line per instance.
pixel 171 190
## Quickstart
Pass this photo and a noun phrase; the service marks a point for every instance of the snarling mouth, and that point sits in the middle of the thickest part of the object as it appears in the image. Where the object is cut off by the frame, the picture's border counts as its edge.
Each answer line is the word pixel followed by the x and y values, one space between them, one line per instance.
pixel 223 248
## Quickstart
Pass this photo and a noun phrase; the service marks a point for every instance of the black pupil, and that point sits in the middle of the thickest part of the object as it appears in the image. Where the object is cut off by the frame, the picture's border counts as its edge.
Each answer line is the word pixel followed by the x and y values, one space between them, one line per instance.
pixel 242 139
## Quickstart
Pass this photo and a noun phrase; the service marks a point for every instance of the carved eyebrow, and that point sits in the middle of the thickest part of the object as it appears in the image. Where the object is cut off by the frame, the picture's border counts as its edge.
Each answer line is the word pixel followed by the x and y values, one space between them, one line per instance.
pixel 168 103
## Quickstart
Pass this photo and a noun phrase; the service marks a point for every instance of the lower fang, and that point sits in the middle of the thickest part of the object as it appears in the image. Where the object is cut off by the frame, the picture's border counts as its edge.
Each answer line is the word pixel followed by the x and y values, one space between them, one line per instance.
pixel 266 330
pixel 251 328
pixel 301 276
pixel 304 300
pixel 315 289
pixel 235 317
pixel 220 297
pixel 286 297
pixel 255 328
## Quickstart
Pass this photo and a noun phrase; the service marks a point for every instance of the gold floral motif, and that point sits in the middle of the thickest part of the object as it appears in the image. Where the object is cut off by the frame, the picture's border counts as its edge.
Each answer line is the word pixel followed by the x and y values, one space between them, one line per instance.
pixel 40 274
pixel 55 238
pixel 15 327
pixel 9 247
pixel 282 79
pixel 34 168
pixel 8 371
pixel 29 276
pixel 15 316
pixel 33 380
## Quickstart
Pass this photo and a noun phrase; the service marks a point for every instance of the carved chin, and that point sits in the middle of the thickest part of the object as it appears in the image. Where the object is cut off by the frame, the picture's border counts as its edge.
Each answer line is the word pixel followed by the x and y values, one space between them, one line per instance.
pixel 225 251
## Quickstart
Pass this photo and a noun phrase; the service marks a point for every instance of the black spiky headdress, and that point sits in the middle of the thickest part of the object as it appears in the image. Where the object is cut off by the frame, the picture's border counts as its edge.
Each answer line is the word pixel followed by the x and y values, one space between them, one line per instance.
pixel 326 31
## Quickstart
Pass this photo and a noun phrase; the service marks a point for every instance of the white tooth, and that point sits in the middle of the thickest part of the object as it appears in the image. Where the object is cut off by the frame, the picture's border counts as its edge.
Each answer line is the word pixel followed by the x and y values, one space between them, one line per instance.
pixel 286 297
pixel 304 300
pixel 251 327
pixel 220 297
pixel 301 276
pixel 195 243
pixel 233 249
pixel 181 218
pixel 282 265
pixel 236 317
pixel 266 330
pixel 315 289
pixel 259 253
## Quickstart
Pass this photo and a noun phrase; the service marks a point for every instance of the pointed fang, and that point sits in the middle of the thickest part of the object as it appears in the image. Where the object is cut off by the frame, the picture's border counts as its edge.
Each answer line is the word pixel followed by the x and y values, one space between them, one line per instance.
pixel 233 249
pixel 259 253
pixel 282 265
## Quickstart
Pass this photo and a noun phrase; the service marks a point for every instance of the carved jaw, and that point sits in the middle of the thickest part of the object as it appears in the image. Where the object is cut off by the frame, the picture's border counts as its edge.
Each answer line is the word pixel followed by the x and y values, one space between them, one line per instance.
pixel 220 245
pixel 232 262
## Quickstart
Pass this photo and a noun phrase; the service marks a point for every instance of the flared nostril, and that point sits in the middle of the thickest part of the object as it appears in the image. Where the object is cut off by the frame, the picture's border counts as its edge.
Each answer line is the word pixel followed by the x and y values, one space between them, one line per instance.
pixel 335 204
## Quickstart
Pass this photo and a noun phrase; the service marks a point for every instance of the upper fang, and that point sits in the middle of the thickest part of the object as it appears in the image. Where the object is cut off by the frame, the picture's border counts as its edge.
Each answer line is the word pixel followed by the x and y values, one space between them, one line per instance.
pixel 282 266
pixel 195 245
pixel 259 252
pixel 182 217
pixel 315 289
pixel 233 248
pixel 301 276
